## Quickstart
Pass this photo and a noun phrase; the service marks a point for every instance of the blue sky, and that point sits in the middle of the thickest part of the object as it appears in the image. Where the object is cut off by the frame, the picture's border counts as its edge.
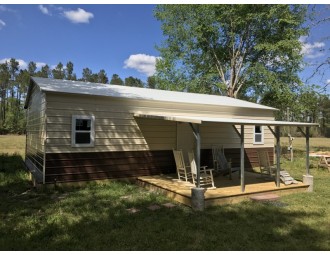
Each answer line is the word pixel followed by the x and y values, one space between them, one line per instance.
pixel 94 36
pixel 118 38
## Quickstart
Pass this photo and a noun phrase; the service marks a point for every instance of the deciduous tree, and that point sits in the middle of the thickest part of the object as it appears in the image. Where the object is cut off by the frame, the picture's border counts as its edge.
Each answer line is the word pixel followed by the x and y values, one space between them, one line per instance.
pixel 230 49
pixel 151 82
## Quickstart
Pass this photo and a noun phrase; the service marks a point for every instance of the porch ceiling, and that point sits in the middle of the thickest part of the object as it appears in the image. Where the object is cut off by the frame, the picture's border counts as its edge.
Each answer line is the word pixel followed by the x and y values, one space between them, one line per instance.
pixel 201 119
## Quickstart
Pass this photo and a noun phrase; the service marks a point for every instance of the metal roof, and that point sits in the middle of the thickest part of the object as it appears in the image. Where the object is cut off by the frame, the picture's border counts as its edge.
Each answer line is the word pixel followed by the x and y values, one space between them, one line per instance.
pixel 98 89
pixel 201 119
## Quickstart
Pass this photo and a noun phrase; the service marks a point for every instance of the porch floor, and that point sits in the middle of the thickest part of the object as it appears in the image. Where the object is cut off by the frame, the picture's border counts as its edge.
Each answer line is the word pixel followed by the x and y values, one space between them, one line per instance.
pixel 226 191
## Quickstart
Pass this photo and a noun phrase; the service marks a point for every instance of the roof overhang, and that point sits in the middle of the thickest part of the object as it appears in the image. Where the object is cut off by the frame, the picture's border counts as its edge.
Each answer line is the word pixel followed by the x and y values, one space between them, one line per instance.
pixel 233 121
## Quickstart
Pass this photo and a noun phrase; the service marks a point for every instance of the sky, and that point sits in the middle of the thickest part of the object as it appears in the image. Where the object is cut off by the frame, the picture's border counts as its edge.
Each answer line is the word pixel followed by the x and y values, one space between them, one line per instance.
pixel 120 39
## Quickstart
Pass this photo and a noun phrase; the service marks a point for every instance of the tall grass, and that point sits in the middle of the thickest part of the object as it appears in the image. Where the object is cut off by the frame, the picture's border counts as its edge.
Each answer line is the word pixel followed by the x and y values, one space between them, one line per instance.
pixel 12 144
pixel 95 217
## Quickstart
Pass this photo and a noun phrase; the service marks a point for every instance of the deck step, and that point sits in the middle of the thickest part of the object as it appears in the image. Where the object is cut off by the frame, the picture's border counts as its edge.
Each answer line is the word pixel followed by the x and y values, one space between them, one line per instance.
pixel 264 197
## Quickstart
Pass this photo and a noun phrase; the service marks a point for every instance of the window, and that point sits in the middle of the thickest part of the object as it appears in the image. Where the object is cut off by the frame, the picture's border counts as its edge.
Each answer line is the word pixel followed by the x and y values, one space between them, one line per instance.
pixel 258 135
pixel 82 131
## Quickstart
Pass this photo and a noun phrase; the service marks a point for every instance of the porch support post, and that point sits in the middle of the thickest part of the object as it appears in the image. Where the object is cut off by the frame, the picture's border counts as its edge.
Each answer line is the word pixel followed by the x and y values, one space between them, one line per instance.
pixel 195 128
pixel 307 178
pixel 278 151
pixel 197 193
pixel 307 151
pixel 242 160
pixel 239 135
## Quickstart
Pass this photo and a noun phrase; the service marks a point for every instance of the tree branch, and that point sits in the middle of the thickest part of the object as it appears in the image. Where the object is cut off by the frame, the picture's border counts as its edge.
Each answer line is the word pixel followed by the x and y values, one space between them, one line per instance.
pixel 218 65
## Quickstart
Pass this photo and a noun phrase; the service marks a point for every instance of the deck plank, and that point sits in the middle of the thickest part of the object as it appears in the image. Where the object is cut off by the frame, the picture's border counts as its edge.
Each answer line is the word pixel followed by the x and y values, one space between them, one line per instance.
pixel 227 191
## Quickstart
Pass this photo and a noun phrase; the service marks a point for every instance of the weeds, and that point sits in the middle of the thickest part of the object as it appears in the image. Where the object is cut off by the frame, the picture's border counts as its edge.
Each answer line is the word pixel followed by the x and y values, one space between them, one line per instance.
pixel 95 217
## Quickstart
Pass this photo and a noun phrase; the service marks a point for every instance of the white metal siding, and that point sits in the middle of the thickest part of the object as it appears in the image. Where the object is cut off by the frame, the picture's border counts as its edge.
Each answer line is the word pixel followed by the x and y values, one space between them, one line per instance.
pixel 35 130
pixel 116 129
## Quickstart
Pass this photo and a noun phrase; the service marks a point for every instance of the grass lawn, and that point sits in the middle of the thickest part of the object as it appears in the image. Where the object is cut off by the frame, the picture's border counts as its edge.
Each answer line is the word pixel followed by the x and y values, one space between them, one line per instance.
pixel 95 217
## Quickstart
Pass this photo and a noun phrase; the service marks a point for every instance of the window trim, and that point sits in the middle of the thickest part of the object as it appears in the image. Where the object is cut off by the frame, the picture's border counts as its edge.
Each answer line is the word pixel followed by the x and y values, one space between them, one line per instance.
pixel 262 134
pixel 74 131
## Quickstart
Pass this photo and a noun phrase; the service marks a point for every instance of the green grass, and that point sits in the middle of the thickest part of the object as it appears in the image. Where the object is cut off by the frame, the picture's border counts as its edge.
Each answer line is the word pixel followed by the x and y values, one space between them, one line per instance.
pixel 12 144
pixel 95 217
pixel 299 143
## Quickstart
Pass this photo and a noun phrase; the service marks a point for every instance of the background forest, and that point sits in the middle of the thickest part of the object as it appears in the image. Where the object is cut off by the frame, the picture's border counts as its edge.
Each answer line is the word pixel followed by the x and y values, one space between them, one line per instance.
pixel 14 83
pixel 308 105
pixel 250 52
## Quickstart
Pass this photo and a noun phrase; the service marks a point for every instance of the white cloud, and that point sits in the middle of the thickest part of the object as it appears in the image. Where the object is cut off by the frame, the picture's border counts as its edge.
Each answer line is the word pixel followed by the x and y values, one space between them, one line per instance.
pixel 40 64
pixel 328 81
pixel 6 9
pixel 78 16
pixel 2 24
pixel 311 50
pixel 44 9
pixel 21 62
pixel 143 63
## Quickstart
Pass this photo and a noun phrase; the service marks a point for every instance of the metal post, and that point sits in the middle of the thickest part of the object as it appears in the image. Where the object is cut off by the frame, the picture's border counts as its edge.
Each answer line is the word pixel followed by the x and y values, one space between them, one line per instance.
pixel 278 151
pixel 307 151
pixel 198 154
pixel 239 135
pixel 195 128
pixel 242 160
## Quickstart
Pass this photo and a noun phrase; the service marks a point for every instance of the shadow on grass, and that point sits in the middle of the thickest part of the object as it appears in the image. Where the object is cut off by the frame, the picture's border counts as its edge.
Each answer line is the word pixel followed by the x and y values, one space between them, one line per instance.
pixel 13 174
pixel 96 218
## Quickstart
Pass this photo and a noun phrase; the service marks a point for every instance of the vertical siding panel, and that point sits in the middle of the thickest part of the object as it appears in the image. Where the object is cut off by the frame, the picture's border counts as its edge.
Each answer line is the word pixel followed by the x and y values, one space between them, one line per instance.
pixel 117 131
pixel 36 133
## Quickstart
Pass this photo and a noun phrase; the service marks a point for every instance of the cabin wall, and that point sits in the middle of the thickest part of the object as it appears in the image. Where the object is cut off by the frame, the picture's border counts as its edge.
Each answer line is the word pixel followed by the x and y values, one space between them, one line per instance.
pixel 225 135
pixel 36 133
pixel 126 146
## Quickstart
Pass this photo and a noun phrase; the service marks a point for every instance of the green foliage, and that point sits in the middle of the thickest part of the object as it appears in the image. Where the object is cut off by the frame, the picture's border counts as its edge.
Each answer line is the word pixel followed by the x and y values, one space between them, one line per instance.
pixel 58 72
pixel 69 75
pixel 233 50
pixel 102 77
pixel 44 72
pixel 116 80
pixel 151 82
pixel 14 83
pixel 32 67
pixel 59 219
pixel 133 82
pixel 87 74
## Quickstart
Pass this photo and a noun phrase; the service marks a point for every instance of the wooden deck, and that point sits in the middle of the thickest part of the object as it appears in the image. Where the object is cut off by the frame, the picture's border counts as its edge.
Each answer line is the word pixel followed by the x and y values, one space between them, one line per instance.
pixel 227 191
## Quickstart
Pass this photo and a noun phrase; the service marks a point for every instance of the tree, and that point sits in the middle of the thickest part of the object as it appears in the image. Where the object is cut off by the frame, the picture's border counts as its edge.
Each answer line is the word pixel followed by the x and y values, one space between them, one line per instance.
pixel 319 63
pixel 102 77
pixel 116 80
pixel 44 72
pixel 87 74
pixel 230 49
pixel 133 82
pixel 32 67
pixel 151 82
pixel 69 75
pixel 4 85
pixel 58 71
pixel 13 69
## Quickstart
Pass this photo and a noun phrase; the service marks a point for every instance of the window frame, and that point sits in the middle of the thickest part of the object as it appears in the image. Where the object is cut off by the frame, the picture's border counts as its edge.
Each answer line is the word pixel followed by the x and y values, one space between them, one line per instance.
pixel 262 135
pixel 74 131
